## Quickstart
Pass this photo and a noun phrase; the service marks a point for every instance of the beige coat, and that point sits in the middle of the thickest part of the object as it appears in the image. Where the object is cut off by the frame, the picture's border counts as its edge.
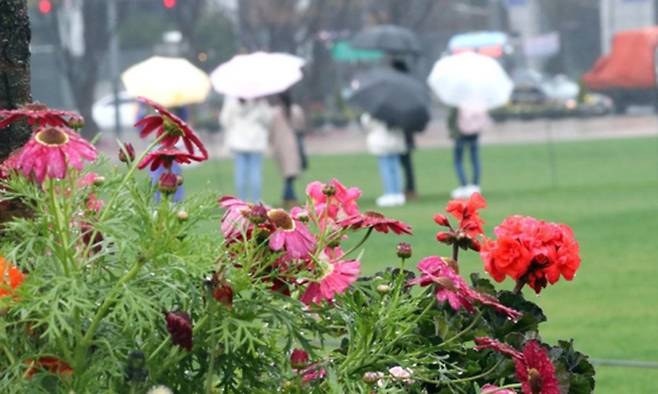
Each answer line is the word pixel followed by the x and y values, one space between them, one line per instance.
pixel 284 144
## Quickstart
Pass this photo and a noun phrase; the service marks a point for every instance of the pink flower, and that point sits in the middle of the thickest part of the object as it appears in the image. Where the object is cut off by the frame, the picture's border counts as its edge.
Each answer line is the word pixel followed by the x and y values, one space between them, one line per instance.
pixel 500 347
pixel 39 115
pixel 451 288
pixel 336 276
pixel 491 389
pixel 333 199
pixel 173 127
pixel 50 152
pixel 376 221
pixel 290 234
pixel 312 373
pixel 235 222
pixel 165 157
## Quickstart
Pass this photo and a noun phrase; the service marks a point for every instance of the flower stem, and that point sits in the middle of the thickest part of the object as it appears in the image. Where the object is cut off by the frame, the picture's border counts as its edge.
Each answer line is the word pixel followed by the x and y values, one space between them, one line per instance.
pixel 358 245
pixel 62 231
pixel 83 345
pixel 455 252
pixel 519 284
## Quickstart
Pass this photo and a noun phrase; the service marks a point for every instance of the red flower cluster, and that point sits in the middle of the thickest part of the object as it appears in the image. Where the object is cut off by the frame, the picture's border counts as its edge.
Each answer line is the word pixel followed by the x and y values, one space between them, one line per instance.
pixel 470 223
pixel 452 288
pixel 531 251
pixel 534 368
pixel 10 278
pixel 333 200
pixel 48 364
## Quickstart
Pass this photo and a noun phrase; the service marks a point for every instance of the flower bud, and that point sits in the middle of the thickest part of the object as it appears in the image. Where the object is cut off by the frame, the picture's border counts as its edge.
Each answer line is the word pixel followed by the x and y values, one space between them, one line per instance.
pixel 76 124
pixel 329 190
pixel 383 288
pixel 299 359
pixel 257 214
pixel 224 294
pixel 441 220
pixel 179 180
pixel 475 245
pixel 126 153
pixel 183 216
pixel 87 231
pixel 135 370
pixel 334 242
pixel 99 180
pixel 445 237
pixel 372 377
pixel 179 326
pixel 403 250
pixel 168 182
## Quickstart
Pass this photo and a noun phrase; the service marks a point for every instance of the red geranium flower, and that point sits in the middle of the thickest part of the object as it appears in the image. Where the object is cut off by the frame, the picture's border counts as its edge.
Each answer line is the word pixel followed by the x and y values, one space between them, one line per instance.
pixel 531 251
pixel 50 152
pixel 336 276
pixel 39 115
pixel 165 157
pixel 10 278
pixel 534 368
pixel 466 212
pixel 452 288
pixel 49 364
pixel 172 126
pixel 333 199
pixel 377 221
pixel 291 234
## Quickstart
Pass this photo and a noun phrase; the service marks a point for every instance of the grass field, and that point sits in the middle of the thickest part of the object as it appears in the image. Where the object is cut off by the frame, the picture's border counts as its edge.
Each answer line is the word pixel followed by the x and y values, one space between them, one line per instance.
pixel 606 190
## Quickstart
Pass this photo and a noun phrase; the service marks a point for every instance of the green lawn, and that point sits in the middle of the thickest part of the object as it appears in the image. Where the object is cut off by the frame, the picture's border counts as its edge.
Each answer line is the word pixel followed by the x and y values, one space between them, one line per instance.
pixel 606 190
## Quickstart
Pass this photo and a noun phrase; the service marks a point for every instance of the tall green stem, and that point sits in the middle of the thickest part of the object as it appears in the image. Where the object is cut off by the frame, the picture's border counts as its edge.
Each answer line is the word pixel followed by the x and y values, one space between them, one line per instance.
pixel 358 245
pixel 62 231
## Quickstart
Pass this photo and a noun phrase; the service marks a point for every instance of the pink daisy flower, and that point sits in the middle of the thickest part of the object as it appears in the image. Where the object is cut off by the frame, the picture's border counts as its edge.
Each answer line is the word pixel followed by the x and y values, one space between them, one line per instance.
pixel 235 223
pixel 50 152
pixel 40 115
pixel 336 277
pixel 338 201
pixel 290 234
pixel 175 129
pixel 451 288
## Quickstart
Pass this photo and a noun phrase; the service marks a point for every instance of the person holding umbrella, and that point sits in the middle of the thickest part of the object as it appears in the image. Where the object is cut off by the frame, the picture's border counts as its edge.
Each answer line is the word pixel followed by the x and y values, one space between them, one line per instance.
pixel 246 123
pixel 387 143
pixel 285 146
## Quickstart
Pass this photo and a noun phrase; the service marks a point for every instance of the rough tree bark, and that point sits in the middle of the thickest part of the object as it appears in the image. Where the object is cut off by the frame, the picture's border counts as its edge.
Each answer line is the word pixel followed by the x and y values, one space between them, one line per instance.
pixel 14 70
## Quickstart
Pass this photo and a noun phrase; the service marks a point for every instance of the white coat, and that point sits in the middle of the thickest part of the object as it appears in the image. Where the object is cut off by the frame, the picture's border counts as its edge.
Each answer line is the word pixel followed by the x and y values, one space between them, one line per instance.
pixel 246 125
pixel 382 140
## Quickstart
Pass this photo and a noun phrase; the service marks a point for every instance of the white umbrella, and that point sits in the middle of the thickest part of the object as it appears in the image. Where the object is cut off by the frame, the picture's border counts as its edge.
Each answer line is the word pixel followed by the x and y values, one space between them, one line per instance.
pixel 470 80
pixel 170 81
pixel 257 74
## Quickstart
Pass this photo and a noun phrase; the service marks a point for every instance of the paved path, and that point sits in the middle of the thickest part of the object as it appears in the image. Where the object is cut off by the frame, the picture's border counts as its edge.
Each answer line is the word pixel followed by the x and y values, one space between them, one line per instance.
pixel 352 140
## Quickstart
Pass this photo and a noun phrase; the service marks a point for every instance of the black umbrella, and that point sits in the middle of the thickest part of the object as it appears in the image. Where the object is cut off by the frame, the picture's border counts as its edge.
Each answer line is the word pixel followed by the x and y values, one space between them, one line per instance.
pixel 389 38
pixel 394 98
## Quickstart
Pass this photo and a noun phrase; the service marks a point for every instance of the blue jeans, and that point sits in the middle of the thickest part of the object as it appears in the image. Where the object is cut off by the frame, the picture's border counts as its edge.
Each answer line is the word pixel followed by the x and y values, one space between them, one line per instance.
pixel 289 189
pixel 389 170
pixel 248 169
pixel 458 157
pixel 155 176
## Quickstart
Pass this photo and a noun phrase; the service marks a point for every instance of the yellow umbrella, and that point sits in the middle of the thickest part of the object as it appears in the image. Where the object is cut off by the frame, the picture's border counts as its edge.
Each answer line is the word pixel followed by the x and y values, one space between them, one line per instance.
pixel 171 81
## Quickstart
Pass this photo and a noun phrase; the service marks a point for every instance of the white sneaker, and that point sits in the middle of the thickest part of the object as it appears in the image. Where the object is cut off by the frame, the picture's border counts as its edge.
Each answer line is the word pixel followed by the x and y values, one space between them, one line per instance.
pixel 389 200
pixel 399 199
pixel 470 189
pixel 459 192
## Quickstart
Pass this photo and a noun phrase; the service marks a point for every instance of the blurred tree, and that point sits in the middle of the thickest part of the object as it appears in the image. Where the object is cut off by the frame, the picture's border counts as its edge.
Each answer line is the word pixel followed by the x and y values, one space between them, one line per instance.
pixel 14 69
pixel 81 35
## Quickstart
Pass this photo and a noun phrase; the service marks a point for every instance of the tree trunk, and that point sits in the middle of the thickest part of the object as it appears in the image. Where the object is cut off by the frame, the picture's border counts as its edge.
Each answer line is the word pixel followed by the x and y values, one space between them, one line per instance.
pixel 14 70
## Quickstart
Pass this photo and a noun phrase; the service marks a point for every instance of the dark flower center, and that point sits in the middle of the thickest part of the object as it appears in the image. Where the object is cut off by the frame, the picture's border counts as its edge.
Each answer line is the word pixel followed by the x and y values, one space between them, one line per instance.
pixel 281 219
pixel 535 381
pixel 52 136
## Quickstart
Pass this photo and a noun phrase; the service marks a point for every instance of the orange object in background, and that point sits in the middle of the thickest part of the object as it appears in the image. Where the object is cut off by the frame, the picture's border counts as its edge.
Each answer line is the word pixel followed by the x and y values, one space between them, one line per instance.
pixel 627 74
pixel 10 278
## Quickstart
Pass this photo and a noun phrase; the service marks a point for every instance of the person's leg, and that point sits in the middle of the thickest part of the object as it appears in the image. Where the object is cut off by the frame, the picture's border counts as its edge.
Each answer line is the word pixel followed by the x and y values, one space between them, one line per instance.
pixel 475 160
pixel 289 189
pixel 255 175
pixel 458 157
pixel 406 161
pixel 396 175
pixel 385 171
pixel 240 174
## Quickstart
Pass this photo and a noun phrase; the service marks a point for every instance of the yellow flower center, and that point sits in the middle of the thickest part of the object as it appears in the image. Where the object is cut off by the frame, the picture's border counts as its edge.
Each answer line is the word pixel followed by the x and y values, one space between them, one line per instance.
pixel 52 136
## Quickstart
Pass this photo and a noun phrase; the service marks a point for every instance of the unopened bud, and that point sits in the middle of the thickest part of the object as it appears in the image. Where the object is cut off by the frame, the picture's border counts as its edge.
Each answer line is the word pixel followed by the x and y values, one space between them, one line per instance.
pixel 76 124
pixel 99 180
pixel 403 250
pixel 441 220
pixel 179 180
pixel 383 289
pixel 224 294
pixel 257 214
pixel 372 377
pixel 168 182
pixel 127 153
pixel 183 216
pixel 299 359
pixel 333 243
pixel 329 190
pixel 475 245
pixel 445 237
